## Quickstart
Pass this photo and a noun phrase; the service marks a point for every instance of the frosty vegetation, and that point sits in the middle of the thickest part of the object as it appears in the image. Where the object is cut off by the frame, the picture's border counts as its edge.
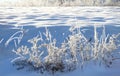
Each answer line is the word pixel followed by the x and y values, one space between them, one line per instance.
pixel 1 40
pixel 16 37
pixel 58 2
pixel 76 51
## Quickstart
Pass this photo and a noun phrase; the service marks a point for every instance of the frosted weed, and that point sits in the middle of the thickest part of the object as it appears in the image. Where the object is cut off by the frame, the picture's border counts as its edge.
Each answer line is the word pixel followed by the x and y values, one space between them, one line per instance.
pixel 76 50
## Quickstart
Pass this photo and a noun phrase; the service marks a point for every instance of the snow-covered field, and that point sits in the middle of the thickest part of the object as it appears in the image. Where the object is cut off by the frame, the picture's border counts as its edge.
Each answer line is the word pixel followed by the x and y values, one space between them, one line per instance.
pixel 57 16
pixel 58 20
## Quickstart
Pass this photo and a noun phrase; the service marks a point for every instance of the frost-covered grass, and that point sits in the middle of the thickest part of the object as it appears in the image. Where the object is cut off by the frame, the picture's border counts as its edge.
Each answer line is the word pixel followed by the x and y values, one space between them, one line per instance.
pixel 1 40
pixel 58 2
pixel 16 37
pixel 104 47
pixel 57 22
pixel 75 51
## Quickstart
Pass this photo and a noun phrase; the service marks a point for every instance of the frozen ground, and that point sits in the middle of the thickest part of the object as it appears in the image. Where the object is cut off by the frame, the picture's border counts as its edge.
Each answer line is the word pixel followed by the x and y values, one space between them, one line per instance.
pixel 58 21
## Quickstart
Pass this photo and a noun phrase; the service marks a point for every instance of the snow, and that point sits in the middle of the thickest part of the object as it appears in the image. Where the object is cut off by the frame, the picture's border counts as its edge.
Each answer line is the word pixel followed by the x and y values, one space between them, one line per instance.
pixel 58 20
pixel 6 55
pixel 57 16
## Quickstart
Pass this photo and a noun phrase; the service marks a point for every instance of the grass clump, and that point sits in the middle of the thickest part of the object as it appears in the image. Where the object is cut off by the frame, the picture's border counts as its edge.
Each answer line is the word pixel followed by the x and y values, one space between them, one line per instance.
pixel 77 50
